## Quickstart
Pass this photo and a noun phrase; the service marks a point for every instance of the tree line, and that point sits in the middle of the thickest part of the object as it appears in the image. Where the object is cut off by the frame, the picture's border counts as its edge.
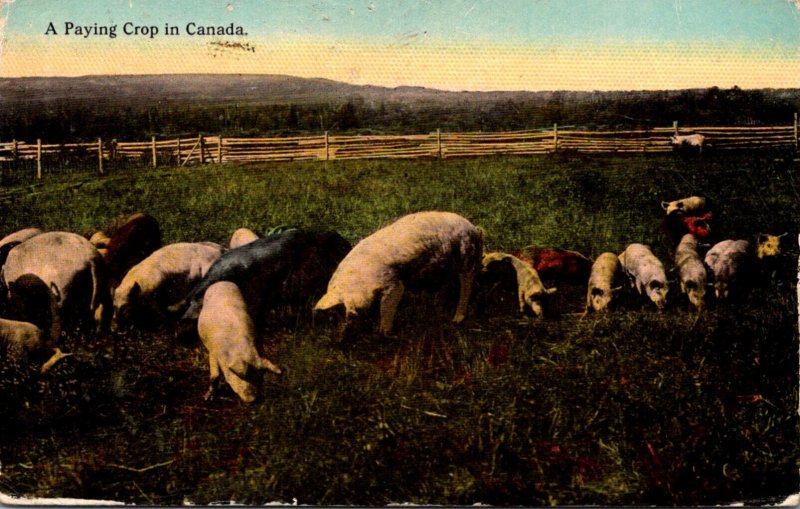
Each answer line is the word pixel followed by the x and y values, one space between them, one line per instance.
pixel 64 119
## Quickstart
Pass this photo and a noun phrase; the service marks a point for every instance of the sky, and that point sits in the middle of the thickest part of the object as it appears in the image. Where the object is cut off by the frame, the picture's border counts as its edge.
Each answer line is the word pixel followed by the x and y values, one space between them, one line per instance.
pixel 447 44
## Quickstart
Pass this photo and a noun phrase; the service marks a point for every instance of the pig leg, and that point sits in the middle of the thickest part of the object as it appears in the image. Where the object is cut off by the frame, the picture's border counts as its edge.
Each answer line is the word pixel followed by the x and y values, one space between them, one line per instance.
pixel 389 302
pixel 466 279
pixel 213 366
pixel 55 313
pixel 588 303
pixel 55 327
pixel 100 304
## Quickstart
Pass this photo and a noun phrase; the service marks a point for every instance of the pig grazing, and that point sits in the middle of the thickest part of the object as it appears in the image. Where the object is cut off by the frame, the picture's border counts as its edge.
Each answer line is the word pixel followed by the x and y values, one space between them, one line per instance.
pixel 163 278
pixel 70 267
pixel 228 332
pixel 530 290
pixel 133 241
pixel 31 300
pixel 693 205
pixel 26 340
pixel 646 273
pixel 728 262
pixel 288 267
pixel 692 271
pixel 426 247
pixel 601 289
pixel 241 237
pixel 555 264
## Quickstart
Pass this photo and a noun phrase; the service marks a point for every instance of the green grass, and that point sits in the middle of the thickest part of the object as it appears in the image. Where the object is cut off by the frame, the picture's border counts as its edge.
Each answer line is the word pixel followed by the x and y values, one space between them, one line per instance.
pixel 635 407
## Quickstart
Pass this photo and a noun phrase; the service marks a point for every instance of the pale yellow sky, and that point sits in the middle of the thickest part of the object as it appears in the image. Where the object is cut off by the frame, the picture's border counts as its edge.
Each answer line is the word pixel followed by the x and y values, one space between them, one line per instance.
pixel 477 65
pixel 447 44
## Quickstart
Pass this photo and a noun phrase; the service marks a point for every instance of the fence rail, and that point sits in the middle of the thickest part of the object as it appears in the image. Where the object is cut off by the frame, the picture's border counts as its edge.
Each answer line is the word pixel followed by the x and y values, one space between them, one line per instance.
pixel 436 145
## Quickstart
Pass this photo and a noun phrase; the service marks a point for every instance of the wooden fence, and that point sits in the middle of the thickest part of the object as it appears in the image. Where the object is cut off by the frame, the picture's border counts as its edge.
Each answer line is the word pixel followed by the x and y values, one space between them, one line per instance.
pixel 437 145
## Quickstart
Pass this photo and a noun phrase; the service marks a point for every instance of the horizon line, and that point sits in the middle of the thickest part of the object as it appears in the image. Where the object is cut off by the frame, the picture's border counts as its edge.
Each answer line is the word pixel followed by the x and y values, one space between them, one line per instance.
pixel 384 87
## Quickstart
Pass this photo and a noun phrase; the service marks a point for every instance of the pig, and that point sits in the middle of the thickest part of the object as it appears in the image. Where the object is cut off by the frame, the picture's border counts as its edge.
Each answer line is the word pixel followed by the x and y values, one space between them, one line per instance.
pixel 689 142
pixel 424 247
pixel 100 241
pixel 601 289
pixel 25 340
pixel 162 279
pixel 645 272
pixel 241 237
pixel 768 245
pixel 728 261
pixel 555 264
pixel 32 300
pixel 283 268
pixel 676 226
pixel 133 241
pixel 530 290
pixel 692 205
pixel 70 267
pixel 692 271
pixel 228 332
pixel 699 226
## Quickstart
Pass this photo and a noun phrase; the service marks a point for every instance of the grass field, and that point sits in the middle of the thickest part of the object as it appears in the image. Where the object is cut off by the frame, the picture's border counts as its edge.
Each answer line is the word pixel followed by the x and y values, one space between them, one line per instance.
pixel 636 407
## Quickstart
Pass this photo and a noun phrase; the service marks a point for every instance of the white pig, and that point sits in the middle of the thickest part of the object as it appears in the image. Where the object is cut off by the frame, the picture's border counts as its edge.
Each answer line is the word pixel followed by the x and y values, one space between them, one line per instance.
pixel 228 332
pixel 646 273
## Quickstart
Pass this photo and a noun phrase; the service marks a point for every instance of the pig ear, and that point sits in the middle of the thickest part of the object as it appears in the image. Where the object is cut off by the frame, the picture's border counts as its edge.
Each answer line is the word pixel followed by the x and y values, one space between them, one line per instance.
pixel 550 291
pixel 665 205
pixel 759 237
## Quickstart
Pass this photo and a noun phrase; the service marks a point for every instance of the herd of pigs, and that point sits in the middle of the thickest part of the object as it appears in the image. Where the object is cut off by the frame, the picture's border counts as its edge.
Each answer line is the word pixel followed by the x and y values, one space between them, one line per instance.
pixel 122 276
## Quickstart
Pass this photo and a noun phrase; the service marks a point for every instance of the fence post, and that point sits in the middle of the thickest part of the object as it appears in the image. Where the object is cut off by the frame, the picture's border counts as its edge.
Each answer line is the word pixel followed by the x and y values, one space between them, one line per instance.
pixel 327 148
pixel 555 137
pixel 201 143
pixel 99 156
pixel 219 149
pixel 15 147
pixel 795 132
pixel 153 148
pixel 112 150
pixel 675 127
pixel 178 147
pixel 439 141
pixel 38 159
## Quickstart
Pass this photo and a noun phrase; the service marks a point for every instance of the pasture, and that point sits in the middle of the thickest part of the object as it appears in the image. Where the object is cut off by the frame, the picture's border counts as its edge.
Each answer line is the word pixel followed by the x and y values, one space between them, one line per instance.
pixel 636 407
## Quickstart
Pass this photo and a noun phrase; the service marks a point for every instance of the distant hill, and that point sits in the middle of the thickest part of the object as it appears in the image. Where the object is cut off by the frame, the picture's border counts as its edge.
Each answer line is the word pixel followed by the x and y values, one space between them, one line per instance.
pixel 218 88
pixel 132 107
